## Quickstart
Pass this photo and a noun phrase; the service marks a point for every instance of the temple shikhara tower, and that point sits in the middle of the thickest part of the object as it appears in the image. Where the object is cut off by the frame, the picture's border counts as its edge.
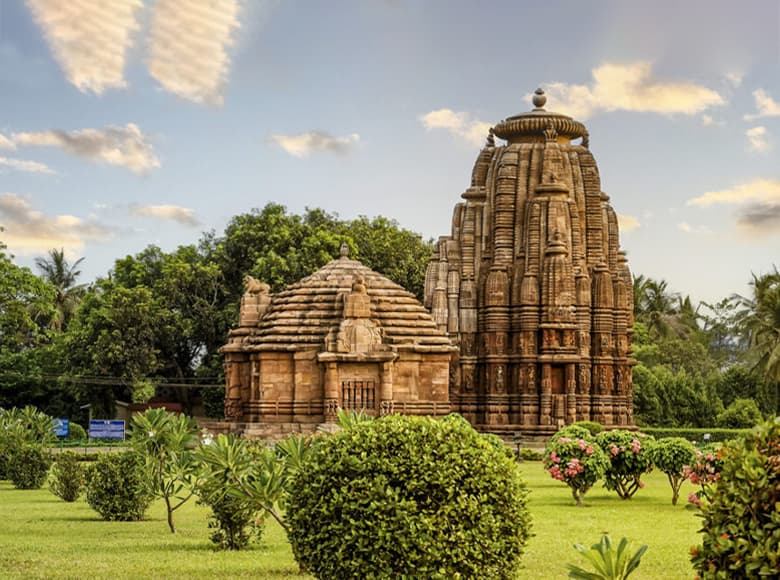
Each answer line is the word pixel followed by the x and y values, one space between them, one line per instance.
pixel 532 286
pixel 526 323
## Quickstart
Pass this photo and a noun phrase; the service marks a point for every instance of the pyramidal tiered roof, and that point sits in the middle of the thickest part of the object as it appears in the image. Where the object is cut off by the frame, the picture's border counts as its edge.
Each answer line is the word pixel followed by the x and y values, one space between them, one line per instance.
pixel 308 312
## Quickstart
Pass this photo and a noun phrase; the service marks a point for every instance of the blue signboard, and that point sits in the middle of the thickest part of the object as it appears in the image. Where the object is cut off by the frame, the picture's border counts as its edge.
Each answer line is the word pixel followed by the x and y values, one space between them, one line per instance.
pixel 61 427
pixel 105 429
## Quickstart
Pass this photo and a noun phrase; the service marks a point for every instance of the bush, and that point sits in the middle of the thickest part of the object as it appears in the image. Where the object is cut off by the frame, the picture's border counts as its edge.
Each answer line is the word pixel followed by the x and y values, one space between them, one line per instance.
pixel 741 414
pixel 672 455
pixel 66 479
pixel 410 497
pixel 117 488
pixel 704 471
pixel 27 466
pixel 573 457
pixel 526 454
pixel 628 457
pixel 234 520
pixel 741 523
pixel 691 434
pixel 593 427
pixel 76 433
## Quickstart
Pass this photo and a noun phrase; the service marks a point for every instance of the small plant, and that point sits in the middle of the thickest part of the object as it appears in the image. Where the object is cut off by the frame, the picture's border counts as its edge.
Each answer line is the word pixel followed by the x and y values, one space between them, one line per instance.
pixel 526 454
pixel 628 456
pixel 574 458
pixel 28 466
pixel 66 479
pixel 671 456
pixel 117 487
pixel 704 471
pixel 76 433
pixel 609 563
pixel 235 520
pixel 741 527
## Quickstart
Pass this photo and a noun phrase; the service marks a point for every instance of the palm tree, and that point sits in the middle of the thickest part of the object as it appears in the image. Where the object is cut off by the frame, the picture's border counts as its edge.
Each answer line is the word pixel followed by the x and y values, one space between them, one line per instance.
pixel 761 318
pixel 56 270
pixel 655 305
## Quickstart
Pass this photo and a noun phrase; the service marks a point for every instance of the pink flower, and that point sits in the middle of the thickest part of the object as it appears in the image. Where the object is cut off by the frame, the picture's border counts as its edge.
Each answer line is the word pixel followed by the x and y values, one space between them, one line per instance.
pixel 613 449
pixel 589 450
pixel 636 446
pixel 694 500
pixel 581 444
pixel 564 440
pixel 554 457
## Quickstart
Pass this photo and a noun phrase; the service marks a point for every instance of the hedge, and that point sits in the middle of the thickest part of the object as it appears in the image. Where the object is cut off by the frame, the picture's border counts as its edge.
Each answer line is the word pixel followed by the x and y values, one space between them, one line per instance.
pixel 696 434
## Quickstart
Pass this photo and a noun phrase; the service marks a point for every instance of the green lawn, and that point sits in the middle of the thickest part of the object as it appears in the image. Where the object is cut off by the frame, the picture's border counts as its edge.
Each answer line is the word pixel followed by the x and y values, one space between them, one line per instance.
pixel 44 537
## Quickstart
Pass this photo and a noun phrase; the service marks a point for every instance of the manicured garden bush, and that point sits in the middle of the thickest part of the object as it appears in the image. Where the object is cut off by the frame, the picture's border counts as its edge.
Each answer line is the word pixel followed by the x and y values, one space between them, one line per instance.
pixel 408 497
pixel 593 427
pixel 117 487
pixel 28 466
pixel 741 414
pixel 66 479
pixel 76 433
pixel 741 522
pixel 672 455
pixel 628 457
pixel 703 471
pixel 573 457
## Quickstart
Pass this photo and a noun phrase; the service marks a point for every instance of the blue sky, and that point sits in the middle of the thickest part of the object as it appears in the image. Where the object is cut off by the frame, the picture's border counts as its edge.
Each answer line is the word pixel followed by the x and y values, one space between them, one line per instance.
pixel 148 122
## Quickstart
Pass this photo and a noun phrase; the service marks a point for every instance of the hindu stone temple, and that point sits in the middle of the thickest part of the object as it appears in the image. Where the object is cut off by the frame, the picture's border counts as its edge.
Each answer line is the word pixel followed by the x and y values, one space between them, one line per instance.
pixel 532 286
pixel 527 317
pixel 343 338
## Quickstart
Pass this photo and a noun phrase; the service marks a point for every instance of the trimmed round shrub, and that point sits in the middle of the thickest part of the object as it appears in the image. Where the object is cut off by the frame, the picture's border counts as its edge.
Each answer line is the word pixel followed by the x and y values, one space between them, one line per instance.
pixel 408 497
pixel 628 456
pixel 741 414
pixel 117 488
pixel 76 432
pixel 593 427
pixel 28 466
pixel 66 478
pixel 671 456
pixel 741 527
pixel 573 457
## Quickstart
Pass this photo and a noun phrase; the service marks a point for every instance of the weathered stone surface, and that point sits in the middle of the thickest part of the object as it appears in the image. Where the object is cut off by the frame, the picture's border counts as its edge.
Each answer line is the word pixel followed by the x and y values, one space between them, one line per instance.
pixel 343 338
pixel 532 286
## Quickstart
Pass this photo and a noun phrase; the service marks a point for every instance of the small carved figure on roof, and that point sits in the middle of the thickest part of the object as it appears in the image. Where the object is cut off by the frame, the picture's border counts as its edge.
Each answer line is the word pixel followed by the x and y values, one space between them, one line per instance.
pixel 255 286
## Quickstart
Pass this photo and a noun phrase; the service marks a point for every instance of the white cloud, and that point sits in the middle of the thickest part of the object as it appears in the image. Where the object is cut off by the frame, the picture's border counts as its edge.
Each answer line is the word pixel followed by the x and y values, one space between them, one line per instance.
pixel 188 47
pixel 766 106
pixel 29 231
pixel 460 124
pixel 89 39
pixel 182 215
pixel 124 146
pixel 627 223
pixel 707 120
pixel 757 139
pixel 27 166
pixel 6 143
pixel 630 87
pixel 689 229
pixel 315 141
pixel 757 190
pixel 733 78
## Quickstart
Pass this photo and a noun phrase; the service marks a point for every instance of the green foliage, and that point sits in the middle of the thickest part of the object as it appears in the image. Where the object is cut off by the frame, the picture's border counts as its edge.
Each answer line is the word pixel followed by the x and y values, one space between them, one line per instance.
pixel 742 382
pixel 526 454
pixel 704 470
pixel 66 478
pixel 165 441
pixel 593 427
pixel 741 414
pixel 62 275
pixel 573 457
pixel 76 432
pixel 28 466
pixel 671 455
pixel 696 434
pixel 142 390
pixel 117 487
pixel 214 402
pixel 741 522
pixel 629 459
pixel 408 497
pixel 610 563
pixel 21 428
pixel 235 520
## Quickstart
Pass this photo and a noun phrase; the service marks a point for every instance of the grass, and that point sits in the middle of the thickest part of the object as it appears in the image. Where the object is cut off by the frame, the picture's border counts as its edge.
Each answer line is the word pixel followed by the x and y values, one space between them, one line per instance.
pixel 44 537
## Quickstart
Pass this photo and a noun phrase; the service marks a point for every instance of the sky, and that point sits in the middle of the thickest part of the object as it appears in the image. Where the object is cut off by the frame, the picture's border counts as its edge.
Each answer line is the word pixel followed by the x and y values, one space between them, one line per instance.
pixel 136 122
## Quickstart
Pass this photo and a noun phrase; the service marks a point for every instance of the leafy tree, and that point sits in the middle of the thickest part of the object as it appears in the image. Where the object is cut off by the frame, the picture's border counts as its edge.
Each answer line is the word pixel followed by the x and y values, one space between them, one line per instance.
pixel 761 316
pixel 670 455
pixel 164 440
pixel 573 457
pixel 741 382
pixel 62 275
pixel 629 460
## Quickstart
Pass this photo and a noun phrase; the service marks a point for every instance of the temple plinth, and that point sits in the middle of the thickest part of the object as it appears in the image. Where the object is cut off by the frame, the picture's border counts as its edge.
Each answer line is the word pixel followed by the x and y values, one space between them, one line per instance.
pixel 532 286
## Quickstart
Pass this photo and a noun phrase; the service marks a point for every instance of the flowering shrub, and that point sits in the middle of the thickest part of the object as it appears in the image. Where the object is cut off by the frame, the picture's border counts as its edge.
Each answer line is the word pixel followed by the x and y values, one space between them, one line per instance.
pixel 741 522
pixel 704 471
pixel 673 455
pixel 576 461
pixel 629 459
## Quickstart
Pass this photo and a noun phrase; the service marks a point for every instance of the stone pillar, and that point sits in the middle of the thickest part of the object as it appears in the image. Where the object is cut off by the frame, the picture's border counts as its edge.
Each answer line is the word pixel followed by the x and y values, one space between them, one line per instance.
pixel 332 395
pixel 545 397
pixel 386 389
pixel 571 394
